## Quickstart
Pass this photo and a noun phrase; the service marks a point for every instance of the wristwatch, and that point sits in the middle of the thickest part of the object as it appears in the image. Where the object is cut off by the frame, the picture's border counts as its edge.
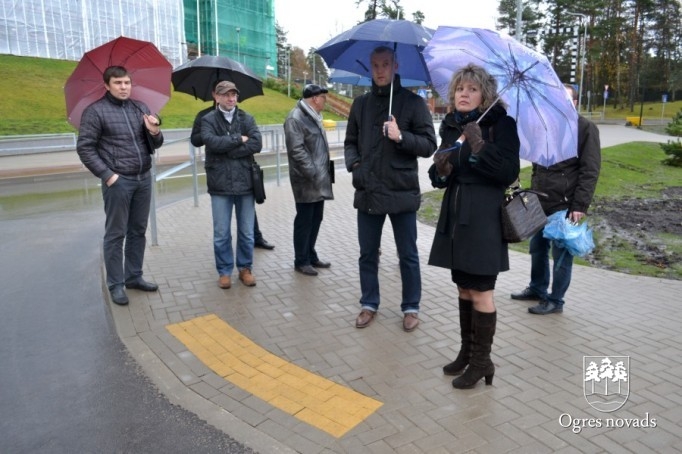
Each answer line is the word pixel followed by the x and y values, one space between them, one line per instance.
pixel 400 137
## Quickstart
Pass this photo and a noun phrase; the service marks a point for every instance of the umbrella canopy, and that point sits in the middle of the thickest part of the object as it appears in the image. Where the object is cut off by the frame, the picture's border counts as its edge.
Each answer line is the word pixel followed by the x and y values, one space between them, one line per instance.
pixel 351 49
pixel 547 121
pixel 197 77
pixel 346 77
pixel 149 70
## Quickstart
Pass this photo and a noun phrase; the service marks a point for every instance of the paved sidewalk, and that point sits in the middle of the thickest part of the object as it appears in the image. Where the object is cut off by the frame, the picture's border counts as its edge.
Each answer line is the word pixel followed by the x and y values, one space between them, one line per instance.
pixel 536 403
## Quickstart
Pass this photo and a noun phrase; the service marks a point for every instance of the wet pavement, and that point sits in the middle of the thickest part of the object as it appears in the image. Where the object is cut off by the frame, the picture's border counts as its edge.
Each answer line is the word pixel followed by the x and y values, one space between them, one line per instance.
pixel 294 336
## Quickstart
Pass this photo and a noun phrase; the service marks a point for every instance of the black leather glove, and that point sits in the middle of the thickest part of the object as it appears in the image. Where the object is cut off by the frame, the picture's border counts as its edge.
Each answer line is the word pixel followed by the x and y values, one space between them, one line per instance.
pixel 472 132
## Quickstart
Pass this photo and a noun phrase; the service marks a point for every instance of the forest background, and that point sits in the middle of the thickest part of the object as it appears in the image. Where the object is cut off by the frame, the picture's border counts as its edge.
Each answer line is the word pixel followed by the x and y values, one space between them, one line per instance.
pixel 633 47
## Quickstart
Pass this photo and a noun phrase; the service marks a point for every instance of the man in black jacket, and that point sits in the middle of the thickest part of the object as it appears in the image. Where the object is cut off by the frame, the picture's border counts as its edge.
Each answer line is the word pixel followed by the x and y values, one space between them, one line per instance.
pixel 381 150
pixel 195 138
pixel 116 139
pixel 570 186
pixel 232 138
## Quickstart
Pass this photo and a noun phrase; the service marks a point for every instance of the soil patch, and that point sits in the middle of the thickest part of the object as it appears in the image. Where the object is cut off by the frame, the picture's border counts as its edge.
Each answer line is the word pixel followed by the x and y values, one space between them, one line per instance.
pixel 638 222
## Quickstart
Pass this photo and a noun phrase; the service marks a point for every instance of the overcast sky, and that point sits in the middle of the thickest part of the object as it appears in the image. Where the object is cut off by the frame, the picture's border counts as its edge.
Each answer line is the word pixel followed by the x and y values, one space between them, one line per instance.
pixel 312 23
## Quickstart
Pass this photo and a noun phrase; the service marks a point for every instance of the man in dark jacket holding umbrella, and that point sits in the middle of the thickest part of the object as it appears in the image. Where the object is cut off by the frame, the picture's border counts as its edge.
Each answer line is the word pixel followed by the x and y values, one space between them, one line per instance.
pixel 569 185
pixel 381 150
pixel 116 139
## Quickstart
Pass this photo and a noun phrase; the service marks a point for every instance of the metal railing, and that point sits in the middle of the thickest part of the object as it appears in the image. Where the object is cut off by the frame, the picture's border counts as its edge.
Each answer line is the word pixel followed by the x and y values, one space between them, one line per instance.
pixel 36 143
pixel 270 157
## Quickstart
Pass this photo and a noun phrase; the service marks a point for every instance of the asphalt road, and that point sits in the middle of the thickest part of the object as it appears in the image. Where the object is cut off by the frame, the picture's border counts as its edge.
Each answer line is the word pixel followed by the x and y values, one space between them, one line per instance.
pixel 67 383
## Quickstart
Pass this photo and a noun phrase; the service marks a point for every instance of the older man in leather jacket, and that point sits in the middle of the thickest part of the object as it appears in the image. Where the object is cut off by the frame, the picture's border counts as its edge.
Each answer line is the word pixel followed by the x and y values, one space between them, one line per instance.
pixel 311 175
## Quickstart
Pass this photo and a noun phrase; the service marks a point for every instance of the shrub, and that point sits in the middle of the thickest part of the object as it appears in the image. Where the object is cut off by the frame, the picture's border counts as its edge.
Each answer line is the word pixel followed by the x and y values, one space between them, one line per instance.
pixel 672 149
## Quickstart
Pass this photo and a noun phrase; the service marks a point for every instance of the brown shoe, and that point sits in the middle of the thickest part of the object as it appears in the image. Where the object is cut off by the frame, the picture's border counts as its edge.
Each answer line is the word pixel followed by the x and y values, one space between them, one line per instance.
pixel 246 277
pixel 365 318
pixel 410 322
pixel 225 282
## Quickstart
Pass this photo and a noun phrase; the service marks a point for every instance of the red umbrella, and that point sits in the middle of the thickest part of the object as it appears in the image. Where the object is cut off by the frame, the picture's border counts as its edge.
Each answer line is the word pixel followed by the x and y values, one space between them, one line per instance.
pixel 149 70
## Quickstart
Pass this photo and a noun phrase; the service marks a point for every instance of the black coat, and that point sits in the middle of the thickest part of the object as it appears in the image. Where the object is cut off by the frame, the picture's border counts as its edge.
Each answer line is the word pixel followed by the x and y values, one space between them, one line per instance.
pixel 228 158
pixel 113 138
pixel 570 184
pixel 387 179
pixel 469 232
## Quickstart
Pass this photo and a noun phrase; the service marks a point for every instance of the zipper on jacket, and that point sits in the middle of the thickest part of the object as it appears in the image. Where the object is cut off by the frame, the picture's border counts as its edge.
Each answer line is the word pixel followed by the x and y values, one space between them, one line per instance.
pixel 132 134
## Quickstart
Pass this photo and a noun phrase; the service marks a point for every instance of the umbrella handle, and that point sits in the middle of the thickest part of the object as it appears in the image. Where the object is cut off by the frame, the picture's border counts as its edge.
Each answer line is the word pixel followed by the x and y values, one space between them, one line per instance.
pixel 457 145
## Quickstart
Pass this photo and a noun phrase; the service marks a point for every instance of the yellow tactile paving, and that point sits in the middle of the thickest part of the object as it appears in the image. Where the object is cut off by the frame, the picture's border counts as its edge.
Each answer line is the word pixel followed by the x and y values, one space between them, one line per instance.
pixel 330 407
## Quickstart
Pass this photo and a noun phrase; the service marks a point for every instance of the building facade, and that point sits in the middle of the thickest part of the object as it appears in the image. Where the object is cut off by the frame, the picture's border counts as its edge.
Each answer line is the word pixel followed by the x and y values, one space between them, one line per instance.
pixel 243 30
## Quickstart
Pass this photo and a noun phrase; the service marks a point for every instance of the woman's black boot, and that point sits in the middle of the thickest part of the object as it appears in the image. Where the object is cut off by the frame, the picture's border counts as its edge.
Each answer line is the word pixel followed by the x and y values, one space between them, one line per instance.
pixel 480 364
pixel 457 366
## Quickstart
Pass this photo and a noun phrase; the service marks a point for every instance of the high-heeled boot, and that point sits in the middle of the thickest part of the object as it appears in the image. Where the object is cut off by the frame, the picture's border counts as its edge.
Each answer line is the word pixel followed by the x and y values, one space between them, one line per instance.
pixel 457 366
pixel 480 364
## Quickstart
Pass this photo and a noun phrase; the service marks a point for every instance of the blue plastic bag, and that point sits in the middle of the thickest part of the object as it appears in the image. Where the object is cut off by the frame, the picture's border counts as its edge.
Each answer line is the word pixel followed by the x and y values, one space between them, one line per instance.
pixel 576 238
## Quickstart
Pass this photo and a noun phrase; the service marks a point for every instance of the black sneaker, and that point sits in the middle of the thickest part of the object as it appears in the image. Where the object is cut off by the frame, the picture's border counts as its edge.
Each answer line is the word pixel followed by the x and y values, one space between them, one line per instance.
pixel 545 307
pixel 526 295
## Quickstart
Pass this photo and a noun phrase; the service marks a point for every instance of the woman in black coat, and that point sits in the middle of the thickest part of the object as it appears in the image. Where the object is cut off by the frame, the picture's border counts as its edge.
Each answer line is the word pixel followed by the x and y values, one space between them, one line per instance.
pixel 468 237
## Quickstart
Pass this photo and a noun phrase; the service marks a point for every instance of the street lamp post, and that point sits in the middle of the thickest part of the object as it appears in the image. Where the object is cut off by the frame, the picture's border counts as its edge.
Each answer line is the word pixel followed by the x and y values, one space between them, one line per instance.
pixel 238 45
pixel 289 70
pixel 314 73
pixel 583 23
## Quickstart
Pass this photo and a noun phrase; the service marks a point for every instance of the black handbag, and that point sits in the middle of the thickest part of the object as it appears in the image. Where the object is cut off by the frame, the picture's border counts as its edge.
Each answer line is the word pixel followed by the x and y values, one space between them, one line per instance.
pixel 522 215
pixel 258 182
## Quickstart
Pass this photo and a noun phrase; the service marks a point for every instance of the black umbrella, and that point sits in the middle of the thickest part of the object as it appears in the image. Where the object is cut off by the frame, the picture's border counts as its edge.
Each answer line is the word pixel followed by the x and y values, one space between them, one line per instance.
pixel 197 77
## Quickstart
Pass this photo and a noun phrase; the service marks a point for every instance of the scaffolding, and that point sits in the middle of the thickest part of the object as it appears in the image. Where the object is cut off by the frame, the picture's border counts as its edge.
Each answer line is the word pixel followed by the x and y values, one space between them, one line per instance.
pixel 243 30
pixel 66 29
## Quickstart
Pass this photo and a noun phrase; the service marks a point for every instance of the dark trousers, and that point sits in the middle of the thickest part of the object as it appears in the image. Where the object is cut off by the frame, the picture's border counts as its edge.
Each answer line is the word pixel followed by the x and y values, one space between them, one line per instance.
pixel 370 227
pixel 257 235
pixel 306 227
pixel 126 206
pixel 561 270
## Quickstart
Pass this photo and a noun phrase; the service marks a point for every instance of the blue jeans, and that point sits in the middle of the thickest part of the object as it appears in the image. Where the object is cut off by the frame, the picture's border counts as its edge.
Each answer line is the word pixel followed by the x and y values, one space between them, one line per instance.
pixel 126 206
pixel 306 228
pixel 245 210
pixel 539 269
pixel 370 227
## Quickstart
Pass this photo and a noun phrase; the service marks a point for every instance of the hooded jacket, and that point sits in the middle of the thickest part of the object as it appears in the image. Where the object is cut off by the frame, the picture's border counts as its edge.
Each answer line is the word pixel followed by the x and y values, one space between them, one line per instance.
pixel 469 232
pixel 570 184
pixel 229 159
pixel 112 138
pixel 386 181
pixel 308 155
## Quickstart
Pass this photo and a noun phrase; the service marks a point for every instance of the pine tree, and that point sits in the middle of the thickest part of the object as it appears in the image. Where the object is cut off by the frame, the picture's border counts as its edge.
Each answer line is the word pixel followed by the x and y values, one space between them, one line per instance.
pixel 673 149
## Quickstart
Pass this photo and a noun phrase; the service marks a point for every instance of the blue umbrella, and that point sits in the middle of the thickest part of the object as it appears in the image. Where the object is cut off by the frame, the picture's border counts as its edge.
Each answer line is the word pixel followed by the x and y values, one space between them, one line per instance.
pixel 547 122
pixel 350 51
pixel 346 77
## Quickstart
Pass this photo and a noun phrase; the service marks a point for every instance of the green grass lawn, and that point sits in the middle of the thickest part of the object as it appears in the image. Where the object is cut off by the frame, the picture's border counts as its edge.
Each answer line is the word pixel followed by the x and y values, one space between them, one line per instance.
pixel 32 93
pixel 32 96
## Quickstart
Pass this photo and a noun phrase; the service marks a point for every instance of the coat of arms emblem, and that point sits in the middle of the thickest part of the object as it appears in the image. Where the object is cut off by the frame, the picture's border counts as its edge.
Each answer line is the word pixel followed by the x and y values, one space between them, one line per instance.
pixel 606 381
